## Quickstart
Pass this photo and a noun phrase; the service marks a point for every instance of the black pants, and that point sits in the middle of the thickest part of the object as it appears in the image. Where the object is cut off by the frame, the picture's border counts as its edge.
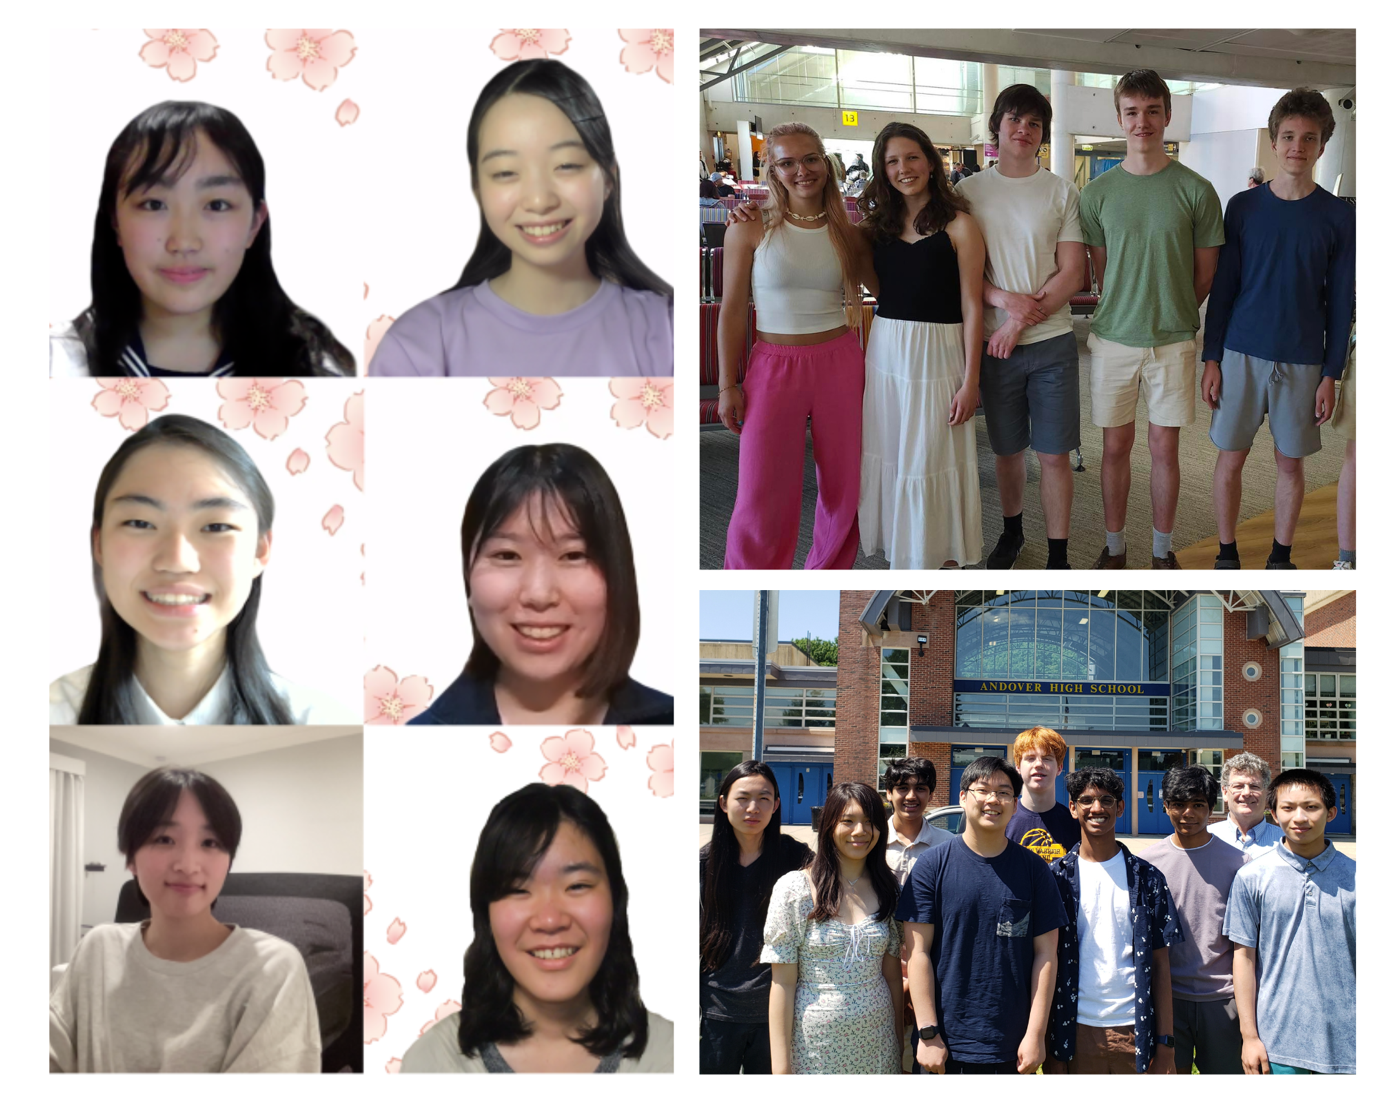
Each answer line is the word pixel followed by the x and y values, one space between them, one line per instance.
pixel 961 1067
pixel 732 1048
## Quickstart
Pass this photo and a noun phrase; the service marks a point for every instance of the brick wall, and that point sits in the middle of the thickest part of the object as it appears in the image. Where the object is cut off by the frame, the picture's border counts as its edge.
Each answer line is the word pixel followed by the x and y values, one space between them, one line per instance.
pixel 857 696
pixel 1241 694
pixel 930 683
pixel 1332 626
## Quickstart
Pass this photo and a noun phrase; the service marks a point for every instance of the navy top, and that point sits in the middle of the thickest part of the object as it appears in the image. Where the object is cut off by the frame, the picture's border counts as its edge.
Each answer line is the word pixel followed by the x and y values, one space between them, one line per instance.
pixel 1049 834
pixel 471 702
pixel 1285 281
pixel 918 281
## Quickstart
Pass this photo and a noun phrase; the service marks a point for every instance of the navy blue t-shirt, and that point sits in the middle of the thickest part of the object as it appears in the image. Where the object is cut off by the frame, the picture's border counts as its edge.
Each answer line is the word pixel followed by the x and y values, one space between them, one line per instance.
pixel 1050 835
pixel 985 912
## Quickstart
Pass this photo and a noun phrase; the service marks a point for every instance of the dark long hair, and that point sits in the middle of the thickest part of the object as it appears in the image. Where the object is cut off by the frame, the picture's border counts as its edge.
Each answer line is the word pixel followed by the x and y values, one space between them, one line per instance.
pixel 518 832
pixel 260 328
pixel 567 481
pixel 721 856
pixel 109 698
pixel 826 868
pixel 884 205
pixel 154 798
pixel 608 253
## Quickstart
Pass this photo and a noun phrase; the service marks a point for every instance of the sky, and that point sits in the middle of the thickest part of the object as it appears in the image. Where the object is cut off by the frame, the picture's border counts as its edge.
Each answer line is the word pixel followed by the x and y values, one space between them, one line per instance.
pixel 728 615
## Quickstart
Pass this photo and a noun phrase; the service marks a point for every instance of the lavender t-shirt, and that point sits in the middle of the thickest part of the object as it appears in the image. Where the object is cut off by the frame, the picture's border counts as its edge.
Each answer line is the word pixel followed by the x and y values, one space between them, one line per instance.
pixel 473 332
pixel 1199 881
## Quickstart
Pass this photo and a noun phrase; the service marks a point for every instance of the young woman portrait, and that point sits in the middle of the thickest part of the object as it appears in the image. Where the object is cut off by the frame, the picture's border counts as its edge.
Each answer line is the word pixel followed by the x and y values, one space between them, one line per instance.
pixel 549 574
pixel 181 536
pixel 182 281
pixel 746 856
pixel 182 992
pixel 551 984
pixel 553 287
pixel 836 1001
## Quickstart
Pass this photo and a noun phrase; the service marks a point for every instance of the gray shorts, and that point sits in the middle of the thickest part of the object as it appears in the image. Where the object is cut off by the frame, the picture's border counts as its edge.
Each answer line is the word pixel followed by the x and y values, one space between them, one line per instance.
pixel 1252 388
pixel 1211 1030
pixel 1033 397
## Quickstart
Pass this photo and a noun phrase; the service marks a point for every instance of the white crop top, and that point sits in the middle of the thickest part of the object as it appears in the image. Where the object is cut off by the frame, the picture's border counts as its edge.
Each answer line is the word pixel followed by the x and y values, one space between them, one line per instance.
pixel 796 280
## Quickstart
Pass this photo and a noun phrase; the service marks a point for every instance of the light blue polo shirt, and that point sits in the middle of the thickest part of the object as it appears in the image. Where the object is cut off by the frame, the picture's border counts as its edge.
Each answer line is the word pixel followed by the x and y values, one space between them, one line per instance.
pixel 1300 917
pixel 1263 837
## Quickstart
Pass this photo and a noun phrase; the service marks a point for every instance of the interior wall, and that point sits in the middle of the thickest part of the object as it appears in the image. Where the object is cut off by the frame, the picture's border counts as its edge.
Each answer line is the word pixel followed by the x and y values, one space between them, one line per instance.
pixel 945 130
pixel 1223 158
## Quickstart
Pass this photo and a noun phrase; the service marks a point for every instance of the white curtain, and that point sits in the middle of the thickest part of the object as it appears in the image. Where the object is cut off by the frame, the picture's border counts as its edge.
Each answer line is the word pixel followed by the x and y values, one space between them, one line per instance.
pixel 66 785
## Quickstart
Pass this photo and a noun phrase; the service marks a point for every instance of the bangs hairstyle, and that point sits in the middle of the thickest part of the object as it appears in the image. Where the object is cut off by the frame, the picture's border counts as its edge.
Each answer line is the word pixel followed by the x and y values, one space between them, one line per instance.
pixel 153 799
pixel 1045 742
pixel 518 832
pixel 109 699
pixel 260 328
pixel 1301 777
pixel 1147 83
pixel 1186 783
pixel 839 229
pixel 884 205
pixel 1021 100
pixel 982 768
pixel 1307 103
pixel 555 483
pixel 826 866
pixel 608 252
pixel 1102 779
pixel 899 772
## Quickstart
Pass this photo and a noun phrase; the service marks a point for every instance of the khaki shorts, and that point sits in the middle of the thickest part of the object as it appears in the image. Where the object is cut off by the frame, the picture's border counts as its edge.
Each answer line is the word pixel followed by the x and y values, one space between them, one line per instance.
pixel 1343 418
pixel 1167 374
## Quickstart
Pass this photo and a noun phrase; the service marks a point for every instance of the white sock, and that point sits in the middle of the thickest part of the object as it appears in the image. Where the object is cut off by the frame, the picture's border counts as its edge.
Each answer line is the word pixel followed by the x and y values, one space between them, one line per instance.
pixel 1115 542
pixel 1162 543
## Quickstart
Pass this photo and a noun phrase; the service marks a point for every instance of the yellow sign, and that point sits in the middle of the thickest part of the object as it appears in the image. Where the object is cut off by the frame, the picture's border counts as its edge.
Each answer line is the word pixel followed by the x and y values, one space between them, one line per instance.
pixel 850 119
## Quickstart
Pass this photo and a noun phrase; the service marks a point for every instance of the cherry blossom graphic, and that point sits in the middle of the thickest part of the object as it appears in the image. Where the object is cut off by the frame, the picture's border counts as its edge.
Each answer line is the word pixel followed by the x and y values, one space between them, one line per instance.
pixel 346 440
pixel 427 981
pixel 369 906
pixel 646 50
pixel 643 401
pixel 332 520
pixel 499 742
pixel 298 462
pixel 346 114
pixel 624 736
pixel 178 51
pixel 446 1010
pixel 522 45
pixel 522 397
pixel 383 997
pixel 264 404
pixel 373 333
pixel 660 762
pixel 390 701
pixel 397 928
pixel 316 56
pixel 571 760
pixel 129 399
pixel 393 1066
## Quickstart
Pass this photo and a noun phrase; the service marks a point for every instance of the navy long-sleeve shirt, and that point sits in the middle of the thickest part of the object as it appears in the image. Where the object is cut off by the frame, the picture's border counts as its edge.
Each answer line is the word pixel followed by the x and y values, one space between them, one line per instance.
pixel 1285 281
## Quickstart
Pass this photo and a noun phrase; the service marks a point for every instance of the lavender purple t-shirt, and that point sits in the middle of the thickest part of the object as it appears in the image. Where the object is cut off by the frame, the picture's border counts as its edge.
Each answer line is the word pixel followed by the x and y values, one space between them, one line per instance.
pixel 473 332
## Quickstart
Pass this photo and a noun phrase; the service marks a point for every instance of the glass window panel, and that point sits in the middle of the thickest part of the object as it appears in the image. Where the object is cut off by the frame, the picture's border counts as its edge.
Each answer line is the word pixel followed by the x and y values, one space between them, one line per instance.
pixel 1102 645
pixel 803 75
pixel 1348 686
pixel 995 658
pixel 1047 663
pixel 894 656
pixel 1075 643
pixel 1021 646
pixel 1326 685
pixel 968 643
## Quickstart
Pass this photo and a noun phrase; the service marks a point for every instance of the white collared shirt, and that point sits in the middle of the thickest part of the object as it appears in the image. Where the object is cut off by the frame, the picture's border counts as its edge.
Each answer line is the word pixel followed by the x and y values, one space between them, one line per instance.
pixel 307 707
pixel 1261 838
pixel 901 857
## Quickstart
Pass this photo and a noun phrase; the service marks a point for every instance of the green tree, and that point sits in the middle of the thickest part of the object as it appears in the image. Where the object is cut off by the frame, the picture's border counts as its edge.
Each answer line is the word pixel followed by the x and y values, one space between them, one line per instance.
pixel 819 649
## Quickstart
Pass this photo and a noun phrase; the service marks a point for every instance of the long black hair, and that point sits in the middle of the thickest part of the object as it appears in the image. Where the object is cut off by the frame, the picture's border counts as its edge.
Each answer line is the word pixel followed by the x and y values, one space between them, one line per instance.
pixel 608 253
pixel 826 868
pixel 721 856
pixel 260 328
pixel 884 204
pixel 564 481
pixel 518 832
pixel 109 698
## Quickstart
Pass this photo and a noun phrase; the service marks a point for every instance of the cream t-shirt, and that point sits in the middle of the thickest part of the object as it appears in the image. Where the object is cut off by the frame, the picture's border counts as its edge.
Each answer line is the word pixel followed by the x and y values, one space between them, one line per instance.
pixel 437 1050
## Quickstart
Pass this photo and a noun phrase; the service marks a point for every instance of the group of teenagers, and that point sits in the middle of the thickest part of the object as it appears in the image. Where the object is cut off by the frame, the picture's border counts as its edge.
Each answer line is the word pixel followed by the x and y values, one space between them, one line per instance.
pixel 972 286
pixel 1034 937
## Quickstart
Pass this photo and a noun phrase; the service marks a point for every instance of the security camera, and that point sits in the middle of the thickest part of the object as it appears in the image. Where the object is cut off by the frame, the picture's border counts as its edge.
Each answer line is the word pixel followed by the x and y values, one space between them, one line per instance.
pixel 1347 102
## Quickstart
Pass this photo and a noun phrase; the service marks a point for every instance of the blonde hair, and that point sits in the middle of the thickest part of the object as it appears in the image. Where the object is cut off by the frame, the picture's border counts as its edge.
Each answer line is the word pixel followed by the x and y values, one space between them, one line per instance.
pixel 1042 740
pixel 839 228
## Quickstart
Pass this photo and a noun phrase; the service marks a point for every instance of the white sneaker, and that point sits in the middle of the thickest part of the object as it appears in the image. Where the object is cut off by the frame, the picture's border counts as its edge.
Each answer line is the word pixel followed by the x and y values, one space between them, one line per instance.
pixel 1343 564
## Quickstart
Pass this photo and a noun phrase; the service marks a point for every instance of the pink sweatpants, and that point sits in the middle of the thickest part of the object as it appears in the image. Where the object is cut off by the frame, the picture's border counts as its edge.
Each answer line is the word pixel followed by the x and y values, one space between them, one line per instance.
pixel 783 386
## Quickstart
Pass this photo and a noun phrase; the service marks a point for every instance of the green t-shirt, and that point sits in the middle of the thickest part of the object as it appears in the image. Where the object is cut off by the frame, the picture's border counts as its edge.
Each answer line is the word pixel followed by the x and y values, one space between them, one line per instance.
pixel 1149 227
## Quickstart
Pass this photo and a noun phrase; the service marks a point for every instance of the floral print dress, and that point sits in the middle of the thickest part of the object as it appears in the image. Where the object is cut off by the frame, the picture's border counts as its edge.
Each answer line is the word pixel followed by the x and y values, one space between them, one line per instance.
pixel 843 1013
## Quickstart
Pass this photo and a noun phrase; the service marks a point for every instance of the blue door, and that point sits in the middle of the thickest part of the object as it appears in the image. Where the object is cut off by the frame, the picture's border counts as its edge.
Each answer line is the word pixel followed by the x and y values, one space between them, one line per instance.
pixel 1344 797
pixel 1152 764
pixel 961 757
pixel 801 787
pixel 1117 760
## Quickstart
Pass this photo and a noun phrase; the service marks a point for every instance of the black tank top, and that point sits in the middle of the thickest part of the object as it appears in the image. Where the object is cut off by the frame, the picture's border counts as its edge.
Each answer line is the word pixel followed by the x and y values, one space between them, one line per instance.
pixel 918 281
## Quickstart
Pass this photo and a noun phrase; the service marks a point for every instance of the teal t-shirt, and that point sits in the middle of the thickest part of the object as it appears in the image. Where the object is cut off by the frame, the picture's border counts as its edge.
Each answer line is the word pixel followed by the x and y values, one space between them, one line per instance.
pixel 1149 228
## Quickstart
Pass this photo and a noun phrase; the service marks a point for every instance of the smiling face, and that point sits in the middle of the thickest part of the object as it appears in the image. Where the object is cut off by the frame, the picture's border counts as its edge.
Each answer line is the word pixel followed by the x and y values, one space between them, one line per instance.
pixel 185 240
pixel 179 547
pixel 553 930
pixel 1245 797
pixel 1302 816
pixel 906 166
pixel 799 165
pixel 1038 770
pixel 1020 134
pixel 1189 820
pixel 1298 146
pixel 538 599
pixel 854 835
pixel 1095 811
pixel 183 866
pixel 1143 120
pixel 989 804
pixel 909 798
pixel 749 804
pixel 541 193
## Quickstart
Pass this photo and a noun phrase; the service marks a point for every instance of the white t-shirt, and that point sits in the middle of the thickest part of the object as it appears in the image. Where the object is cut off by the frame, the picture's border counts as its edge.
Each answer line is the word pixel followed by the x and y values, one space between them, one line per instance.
pixel 1106 933
pixel 1023 219
pixel 65 696
pixel 437 1050
pixel 248 1006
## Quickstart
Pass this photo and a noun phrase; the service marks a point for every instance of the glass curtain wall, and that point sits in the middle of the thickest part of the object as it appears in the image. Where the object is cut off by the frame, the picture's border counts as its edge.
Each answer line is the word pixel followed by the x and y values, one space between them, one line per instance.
pixel 893 705
pixel 789 707
pixel 1198 649
pixel 1330 700
pixel 1292 707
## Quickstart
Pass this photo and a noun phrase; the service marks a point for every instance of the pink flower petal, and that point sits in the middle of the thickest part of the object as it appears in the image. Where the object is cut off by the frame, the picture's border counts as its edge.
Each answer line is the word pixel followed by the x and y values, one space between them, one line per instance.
pixel 553 774
pixel 628 414
pixel 332 520
pixel 201 45
pixel 155 53
pixel 134 416
pixel 269 424
pixel 282 40
pixel 337 49
pixel 660 758
pixel 368 881
pixel 396 930
pixel 638 57
pixel 661 421
pixel 555 42
pixel 298 462
pixel 580 742
pixel 346 114
pixel 661 784
pixel 284 65
pixel 181 66
pixel 553 748
pixel 319 75
pixel 500 401
pixel 369 906
pixel 379 682
pixel 393 1066
pixel 627 387
pixel 500 743
pixel 665 67
pixel 236 415
pixel 235 387
pixel 427 981
pixel 545 392
pixel 506 45
pixel 526 414
pixel 624 736
pixel 635 36
pixel 383 996
pixel 288 396
pixel 593 767
pixel 373 333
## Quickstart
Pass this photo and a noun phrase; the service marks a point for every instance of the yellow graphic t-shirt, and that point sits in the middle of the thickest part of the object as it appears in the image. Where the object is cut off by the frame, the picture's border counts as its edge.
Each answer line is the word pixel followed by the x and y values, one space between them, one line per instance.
pixel 1050 834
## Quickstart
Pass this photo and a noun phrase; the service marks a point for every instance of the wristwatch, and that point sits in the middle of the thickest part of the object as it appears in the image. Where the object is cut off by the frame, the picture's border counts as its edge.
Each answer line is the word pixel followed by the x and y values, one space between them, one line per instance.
pixel 1167 1041
pixel 927 1032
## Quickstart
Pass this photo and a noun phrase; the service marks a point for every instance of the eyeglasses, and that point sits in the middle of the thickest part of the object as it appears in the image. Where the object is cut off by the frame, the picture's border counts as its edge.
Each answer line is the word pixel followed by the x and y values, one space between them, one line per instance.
pixel 1085 802
pixel 983 796
pixel 1248 788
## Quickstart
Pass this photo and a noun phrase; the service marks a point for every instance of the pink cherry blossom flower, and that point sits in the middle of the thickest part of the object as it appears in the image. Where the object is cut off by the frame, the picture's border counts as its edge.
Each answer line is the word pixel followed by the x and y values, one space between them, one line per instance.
pixel 397 928
pixel 333 519
pixel 266 405
pixel 427 981
pixel 383 997
pixel 390 701
pixel 298 462
pixel 521 397
pixel 643 401
pixel 316 56
pixel 446 1010
pixel 571 760
pixel 373 333
pixel 369 906
pixel 346 114
pixel 346 440
pixel 129 399
pixel 647 49
pixel 522 45
pixel 499 742
pixel 393 1066
pixel 624 736
pixel 178 51
pixel 660 762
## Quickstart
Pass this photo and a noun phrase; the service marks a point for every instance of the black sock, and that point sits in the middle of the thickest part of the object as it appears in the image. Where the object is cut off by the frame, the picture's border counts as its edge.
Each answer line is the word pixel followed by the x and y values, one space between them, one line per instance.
pixel 1057 552
pixel 1014 524
pixel 1228 552
pixel 1281 554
